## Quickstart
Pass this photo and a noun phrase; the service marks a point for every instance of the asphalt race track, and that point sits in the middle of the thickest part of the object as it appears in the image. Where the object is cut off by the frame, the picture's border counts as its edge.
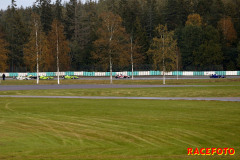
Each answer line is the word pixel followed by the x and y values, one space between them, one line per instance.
pixel 144 77
pixel 87 86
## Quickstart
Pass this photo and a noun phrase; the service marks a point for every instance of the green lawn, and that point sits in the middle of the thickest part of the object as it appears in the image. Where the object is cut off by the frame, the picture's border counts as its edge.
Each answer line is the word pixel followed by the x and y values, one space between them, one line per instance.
pixel 228 81
pixel 218 91
pixel 73 129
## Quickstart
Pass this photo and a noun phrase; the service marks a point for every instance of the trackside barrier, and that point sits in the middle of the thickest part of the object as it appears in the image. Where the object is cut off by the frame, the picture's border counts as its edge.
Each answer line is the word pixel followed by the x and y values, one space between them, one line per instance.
pixel 129 73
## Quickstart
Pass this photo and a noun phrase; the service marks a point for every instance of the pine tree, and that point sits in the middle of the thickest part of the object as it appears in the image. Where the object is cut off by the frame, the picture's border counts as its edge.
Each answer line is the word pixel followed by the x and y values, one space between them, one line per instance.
pixel 209 56
pixel 45 14
pixel 70 21
pixel 150 18
pixel 17 35
pixel 58 11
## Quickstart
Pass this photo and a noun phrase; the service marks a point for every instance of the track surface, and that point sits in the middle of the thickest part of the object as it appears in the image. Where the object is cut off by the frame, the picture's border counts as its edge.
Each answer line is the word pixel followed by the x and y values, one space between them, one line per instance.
pixel 88 86
pixel 144 77
pixel 232 99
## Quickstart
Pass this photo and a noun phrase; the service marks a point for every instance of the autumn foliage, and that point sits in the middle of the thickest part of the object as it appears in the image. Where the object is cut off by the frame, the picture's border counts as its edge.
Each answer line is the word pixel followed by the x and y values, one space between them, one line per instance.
pixel 194 19
pixel 112 45
pixel 225 25
pixel 45 46
pixel 163 49
pixel 3 53
pixel 55 36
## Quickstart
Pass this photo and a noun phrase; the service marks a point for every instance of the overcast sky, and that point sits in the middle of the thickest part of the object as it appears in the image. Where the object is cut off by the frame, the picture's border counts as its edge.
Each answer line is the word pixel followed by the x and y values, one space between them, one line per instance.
pixel 24 3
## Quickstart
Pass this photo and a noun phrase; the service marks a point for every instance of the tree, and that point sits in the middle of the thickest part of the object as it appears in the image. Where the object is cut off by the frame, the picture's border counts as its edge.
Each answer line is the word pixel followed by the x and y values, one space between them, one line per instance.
pixel 141 44
pixel 204 9
pixel 16 36
pixel 112 44
pixel 71 19
pixel 163 50
pixel 238 48
pixel 176 12
pixel 217 12
pixel 229 33
pixel 209 55
pixel 189 39
pixel 36 51
pixel 150 18
pixel 45 14
pixel 31 49
pixel 58 10
pixel 3 53
pixel 194 20
pixel 59 47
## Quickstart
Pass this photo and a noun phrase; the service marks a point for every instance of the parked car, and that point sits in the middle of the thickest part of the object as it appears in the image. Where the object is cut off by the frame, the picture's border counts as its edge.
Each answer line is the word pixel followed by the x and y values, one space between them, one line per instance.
pixel 217 76
pixel 45 78
pixel 70 77
pixel 121 76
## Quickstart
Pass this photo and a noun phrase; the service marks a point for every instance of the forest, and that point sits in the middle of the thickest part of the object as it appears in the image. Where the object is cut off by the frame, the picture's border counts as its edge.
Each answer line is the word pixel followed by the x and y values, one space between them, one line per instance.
pixel 120 35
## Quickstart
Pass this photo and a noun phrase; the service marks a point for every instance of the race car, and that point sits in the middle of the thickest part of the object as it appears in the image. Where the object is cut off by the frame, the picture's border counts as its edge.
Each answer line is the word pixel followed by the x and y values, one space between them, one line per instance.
pixel 22 78
pixel 121 76
pixel 32 77
pixel 70 77
pixel 217 76
pixel 45 78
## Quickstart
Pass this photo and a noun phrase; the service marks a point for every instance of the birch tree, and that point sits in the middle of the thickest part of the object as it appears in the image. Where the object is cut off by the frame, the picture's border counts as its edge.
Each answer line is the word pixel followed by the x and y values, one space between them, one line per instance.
pixel 112 44
pixel 163 50
pixel 59 47
pixel 32 50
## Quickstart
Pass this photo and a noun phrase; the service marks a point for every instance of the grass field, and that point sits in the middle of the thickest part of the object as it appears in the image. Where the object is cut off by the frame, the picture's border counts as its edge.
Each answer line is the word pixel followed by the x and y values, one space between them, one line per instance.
pixel 228 81
pixel 72 129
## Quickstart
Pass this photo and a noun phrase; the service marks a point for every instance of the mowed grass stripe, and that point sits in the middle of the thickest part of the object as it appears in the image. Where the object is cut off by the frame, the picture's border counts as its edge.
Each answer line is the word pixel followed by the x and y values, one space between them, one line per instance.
pixel 114 129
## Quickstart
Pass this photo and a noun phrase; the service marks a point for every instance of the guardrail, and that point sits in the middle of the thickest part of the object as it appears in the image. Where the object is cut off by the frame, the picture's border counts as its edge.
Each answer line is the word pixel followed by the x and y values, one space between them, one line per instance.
pixel 135 73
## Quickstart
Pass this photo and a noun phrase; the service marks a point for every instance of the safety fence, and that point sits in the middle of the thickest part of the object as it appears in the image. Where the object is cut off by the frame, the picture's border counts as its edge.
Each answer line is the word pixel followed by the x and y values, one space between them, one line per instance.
pixel 135 73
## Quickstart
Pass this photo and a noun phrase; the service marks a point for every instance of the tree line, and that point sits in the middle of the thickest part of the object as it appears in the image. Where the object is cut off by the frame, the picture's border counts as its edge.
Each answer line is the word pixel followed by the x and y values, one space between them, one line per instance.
pixel 119 35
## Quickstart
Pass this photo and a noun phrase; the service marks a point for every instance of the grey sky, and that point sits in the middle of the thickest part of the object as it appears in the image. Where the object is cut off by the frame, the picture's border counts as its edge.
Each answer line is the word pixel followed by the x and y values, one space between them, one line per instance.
pixel 24 3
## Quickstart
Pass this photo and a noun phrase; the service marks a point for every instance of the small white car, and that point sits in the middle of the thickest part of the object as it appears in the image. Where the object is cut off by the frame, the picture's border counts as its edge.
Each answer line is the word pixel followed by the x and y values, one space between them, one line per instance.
pixel 23 78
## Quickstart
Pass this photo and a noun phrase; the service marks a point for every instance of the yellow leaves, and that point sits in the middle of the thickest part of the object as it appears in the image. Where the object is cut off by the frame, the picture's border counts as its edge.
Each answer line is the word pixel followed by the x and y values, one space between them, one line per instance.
pixel 163 49
pixel 45 47
pixel 3 53
pixel 225 25
pixel 112 42
pixel 194 20
pixel 57 34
